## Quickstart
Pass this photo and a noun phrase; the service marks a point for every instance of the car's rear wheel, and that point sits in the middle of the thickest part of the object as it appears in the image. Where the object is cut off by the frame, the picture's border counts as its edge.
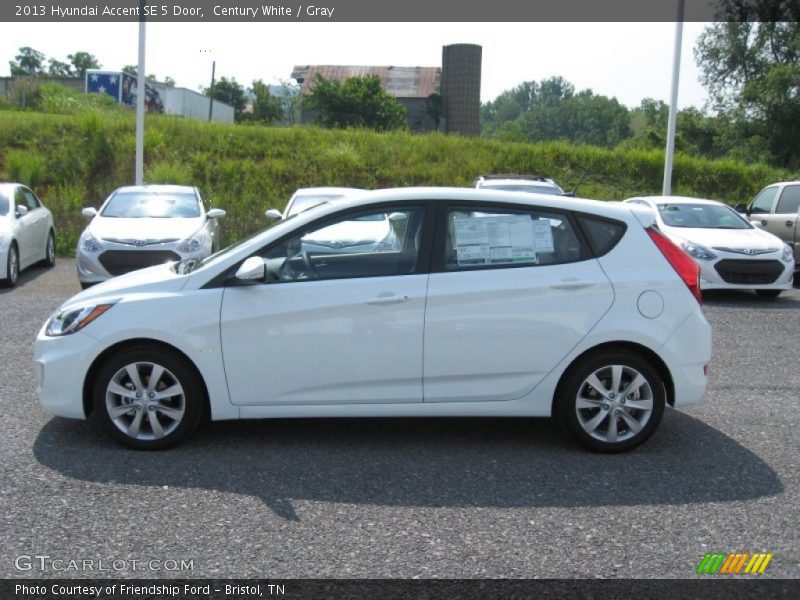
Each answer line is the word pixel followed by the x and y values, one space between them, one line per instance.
pixel 611 402
pixel 12 267
pixel 50 250
pixel 148 398
pixel 769 293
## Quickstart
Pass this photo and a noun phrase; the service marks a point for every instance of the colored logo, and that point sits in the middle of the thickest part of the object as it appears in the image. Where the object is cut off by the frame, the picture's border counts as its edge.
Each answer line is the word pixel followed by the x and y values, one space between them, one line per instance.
pixel 734 563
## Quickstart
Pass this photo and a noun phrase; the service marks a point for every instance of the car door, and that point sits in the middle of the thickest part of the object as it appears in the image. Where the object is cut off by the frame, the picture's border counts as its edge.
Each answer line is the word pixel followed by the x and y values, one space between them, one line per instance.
pixel 39 224
pixel 783 222
pixel 761 207
pixel 331 327
pixel 26 234
pixel 512 291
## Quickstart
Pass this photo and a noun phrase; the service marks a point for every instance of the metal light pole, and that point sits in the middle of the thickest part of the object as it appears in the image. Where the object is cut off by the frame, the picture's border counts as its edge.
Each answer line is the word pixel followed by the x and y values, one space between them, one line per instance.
pixel 673 103
pixel 140 97
pixel 211 92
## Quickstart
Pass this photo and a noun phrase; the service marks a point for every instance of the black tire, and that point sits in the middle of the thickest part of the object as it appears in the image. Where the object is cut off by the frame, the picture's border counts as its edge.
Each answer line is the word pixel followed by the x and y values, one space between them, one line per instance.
pixel 50 251
pixel 575 382
pixel 771 294
pixel 12 266
pixel 177 368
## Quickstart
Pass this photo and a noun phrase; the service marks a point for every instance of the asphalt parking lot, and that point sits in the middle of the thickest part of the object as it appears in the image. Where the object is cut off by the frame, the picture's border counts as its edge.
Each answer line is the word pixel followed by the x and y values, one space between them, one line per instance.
pixel 412 498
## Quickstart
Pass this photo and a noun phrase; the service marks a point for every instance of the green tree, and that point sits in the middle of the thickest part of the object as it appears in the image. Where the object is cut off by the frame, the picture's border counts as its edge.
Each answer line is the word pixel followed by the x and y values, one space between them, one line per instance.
pixel 56 68
pixel 752 71
pixel 27 62
pixel 81 61
pixel 229 92
pixel 266 108
pixel 358 102
pixel 292 102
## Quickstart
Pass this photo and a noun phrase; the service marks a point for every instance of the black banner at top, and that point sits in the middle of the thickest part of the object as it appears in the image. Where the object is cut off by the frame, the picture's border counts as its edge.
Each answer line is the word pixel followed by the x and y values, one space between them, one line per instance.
pixel 405 11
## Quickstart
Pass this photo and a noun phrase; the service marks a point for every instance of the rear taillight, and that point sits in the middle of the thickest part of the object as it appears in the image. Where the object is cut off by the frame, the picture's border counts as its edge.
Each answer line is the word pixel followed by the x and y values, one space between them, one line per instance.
pixel 683 264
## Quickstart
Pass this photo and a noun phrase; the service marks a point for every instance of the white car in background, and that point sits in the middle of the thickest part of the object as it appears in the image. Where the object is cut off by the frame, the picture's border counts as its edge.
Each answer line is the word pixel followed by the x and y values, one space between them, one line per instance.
pixel 142 226
pixel 531 184
pixel 491 304
pixel 305 198
pixel 730 251
pixel 27 234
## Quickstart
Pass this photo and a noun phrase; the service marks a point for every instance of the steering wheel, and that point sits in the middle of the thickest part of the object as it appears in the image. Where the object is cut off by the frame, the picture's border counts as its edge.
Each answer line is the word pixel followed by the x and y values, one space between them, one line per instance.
pixel 310 271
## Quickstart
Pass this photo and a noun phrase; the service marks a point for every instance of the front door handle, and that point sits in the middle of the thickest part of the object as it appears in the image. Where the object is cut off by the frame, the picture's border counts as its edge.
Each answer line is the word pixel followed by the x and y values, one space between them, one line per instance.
pixel 571 284
pixel 388 299
pixel 789 223
pixel 763 221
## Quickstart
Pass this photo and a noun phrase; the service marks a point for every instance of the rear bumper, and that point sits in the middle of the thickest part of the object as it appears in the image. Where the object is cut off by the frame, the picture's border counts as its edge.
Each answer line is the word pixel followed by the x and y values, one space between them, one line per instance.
pixel 687 353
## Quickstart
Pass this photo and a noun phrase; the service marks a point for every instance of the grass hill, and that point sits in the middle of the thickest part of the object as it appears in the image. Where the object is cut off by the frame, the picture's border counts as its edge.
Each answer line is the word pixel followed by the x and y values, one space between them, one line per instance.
pixel 76 160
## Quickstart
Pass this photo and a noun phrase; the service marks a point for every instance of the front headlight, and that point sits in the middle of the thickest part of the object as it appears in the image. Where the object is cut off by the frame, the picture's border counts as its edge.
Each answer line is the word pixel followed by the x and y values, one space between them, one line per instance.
pixel 74 319
pixel 697 251
pixel 89 243
pixel 194 243
pixel 788 254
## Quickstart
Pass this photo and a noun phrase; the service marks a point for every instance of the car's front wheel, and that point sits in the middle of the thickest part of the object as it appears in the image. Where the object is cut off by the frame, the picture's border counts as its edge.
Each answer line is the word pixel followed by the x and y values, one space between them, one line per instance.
pixel 148 398
pixel 611 402
pixel 50 250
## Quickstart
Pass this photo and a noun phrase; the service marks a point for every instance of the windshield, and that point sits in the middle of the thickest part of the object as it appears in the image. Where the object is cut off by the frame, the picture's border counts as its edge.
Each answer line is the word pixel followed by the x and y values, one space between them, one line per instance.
pixel 137 205
pixel 3 206
pixel 303 203
pixel 531 189
pixel 701 216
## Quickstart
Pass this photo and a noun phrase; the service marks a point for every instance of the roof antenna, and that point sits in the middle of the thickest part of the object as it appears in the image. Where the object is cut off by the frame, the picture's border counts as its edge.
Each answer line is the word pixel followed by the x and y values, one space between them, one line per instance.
pixel 577 185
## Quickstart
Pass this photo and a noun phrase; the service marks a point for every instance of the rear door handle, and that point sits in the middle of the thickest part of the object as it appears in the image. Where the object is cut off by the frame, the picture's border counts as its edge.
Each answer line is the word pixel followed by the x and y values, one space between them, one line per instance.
pixel 570 284
pixel 789 223
pixel 388 299
pixel 763 221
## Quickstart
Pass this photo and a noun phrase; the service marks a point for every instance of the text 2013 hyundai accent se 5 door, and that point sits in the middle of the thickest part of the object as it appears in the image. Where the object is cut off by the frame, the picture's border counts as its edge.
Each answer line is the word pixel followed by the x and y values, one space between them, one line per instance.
pixel 487 304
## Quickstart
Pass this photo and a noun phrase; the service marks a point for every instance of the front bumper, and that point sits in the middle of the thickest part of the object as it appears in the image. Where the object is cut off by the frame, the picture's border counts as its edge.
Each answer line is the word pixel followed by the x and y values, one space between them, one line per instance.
pixel 737 272
pixel 94 267
pixel 61 365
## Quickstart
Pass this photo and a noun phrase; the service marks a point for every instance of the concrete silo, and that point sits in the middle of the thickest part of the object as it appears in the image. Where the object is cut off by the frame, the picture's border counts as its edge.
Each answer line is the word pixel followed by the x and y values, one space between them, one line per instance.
pixel 461 88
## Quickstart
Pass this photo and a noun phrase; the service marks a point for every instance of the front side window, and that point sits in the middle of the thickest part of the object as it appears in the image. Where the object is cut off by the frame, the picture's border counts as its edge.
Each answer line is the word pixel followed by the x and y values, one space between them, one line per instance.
pixel 495 238
pixel 789 201
pixel 4 204
pixel 367 244
pixel 31 201
pixel 763 202
pixel 135 205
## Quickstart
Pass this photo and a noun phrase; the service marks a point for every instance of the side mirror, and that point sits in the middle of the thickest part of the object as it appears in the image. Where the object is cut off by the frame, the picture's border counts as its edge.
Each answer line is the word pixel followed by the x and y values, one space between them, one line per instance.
pixel 273 213
pixel 741 208
pixel 216 213
pixel 21 211
pixel 89 212
pixel 569 194
pixel 252 270
pixel 397 216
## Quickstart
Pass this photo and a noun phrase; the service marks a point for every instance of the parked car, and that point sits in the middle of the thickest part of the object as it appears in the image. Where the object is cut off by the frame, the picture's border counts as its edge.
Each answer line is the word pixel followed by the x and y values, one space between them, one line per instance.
pixel 27 233
pixel 731 253
pixel 141 226
pixel 305 198
pixel 775 209
pixel 524 306
pixel 531 184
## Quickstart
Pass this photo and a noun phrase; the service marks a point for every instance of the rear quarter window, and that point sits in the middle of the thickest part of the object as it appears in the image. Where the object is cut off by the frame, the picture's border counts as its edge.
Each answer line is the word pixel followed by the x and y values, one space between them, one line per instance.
pixel 603 234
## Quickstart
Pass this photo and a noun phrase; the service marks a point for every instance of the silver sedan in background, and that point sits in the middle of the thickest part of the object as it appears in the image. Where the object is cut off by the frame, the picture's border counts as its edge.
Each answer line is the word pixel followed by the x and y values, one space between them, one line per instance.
pixel 142 226
pixel 27 234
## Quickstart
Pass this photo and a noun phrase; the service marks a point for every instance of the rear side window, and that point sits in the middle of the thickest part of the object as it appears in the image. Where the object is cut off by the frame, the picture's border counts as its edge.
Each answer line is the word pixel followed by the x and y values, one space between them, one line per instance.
pixel 603 234
pixel 790 200
pixel 479 237
pixel 3 205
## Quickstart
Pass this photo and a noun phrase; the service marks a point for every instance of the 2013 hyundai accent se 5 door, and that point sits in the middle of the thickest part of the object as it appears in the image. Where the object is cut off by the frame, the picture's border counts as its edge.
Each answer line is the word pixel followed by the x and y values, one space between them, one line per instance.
pixel 488 304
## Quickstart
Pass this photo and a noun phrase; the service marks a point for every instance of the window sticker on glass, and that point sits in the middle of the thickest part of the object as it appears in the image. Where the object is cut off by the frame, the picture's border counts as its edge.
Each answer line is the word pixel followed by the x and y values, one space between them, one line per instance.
pixel 543 235
pixel 499 239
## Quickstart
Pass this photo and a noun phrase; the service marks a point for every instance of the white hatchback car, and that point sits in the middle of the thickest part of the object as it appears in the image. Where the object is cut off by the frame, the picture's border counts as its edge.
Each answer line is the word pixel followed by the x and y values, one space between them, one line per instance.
pixel 27 234
pixel 142 226
pixel 730 251
pixel 489 304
